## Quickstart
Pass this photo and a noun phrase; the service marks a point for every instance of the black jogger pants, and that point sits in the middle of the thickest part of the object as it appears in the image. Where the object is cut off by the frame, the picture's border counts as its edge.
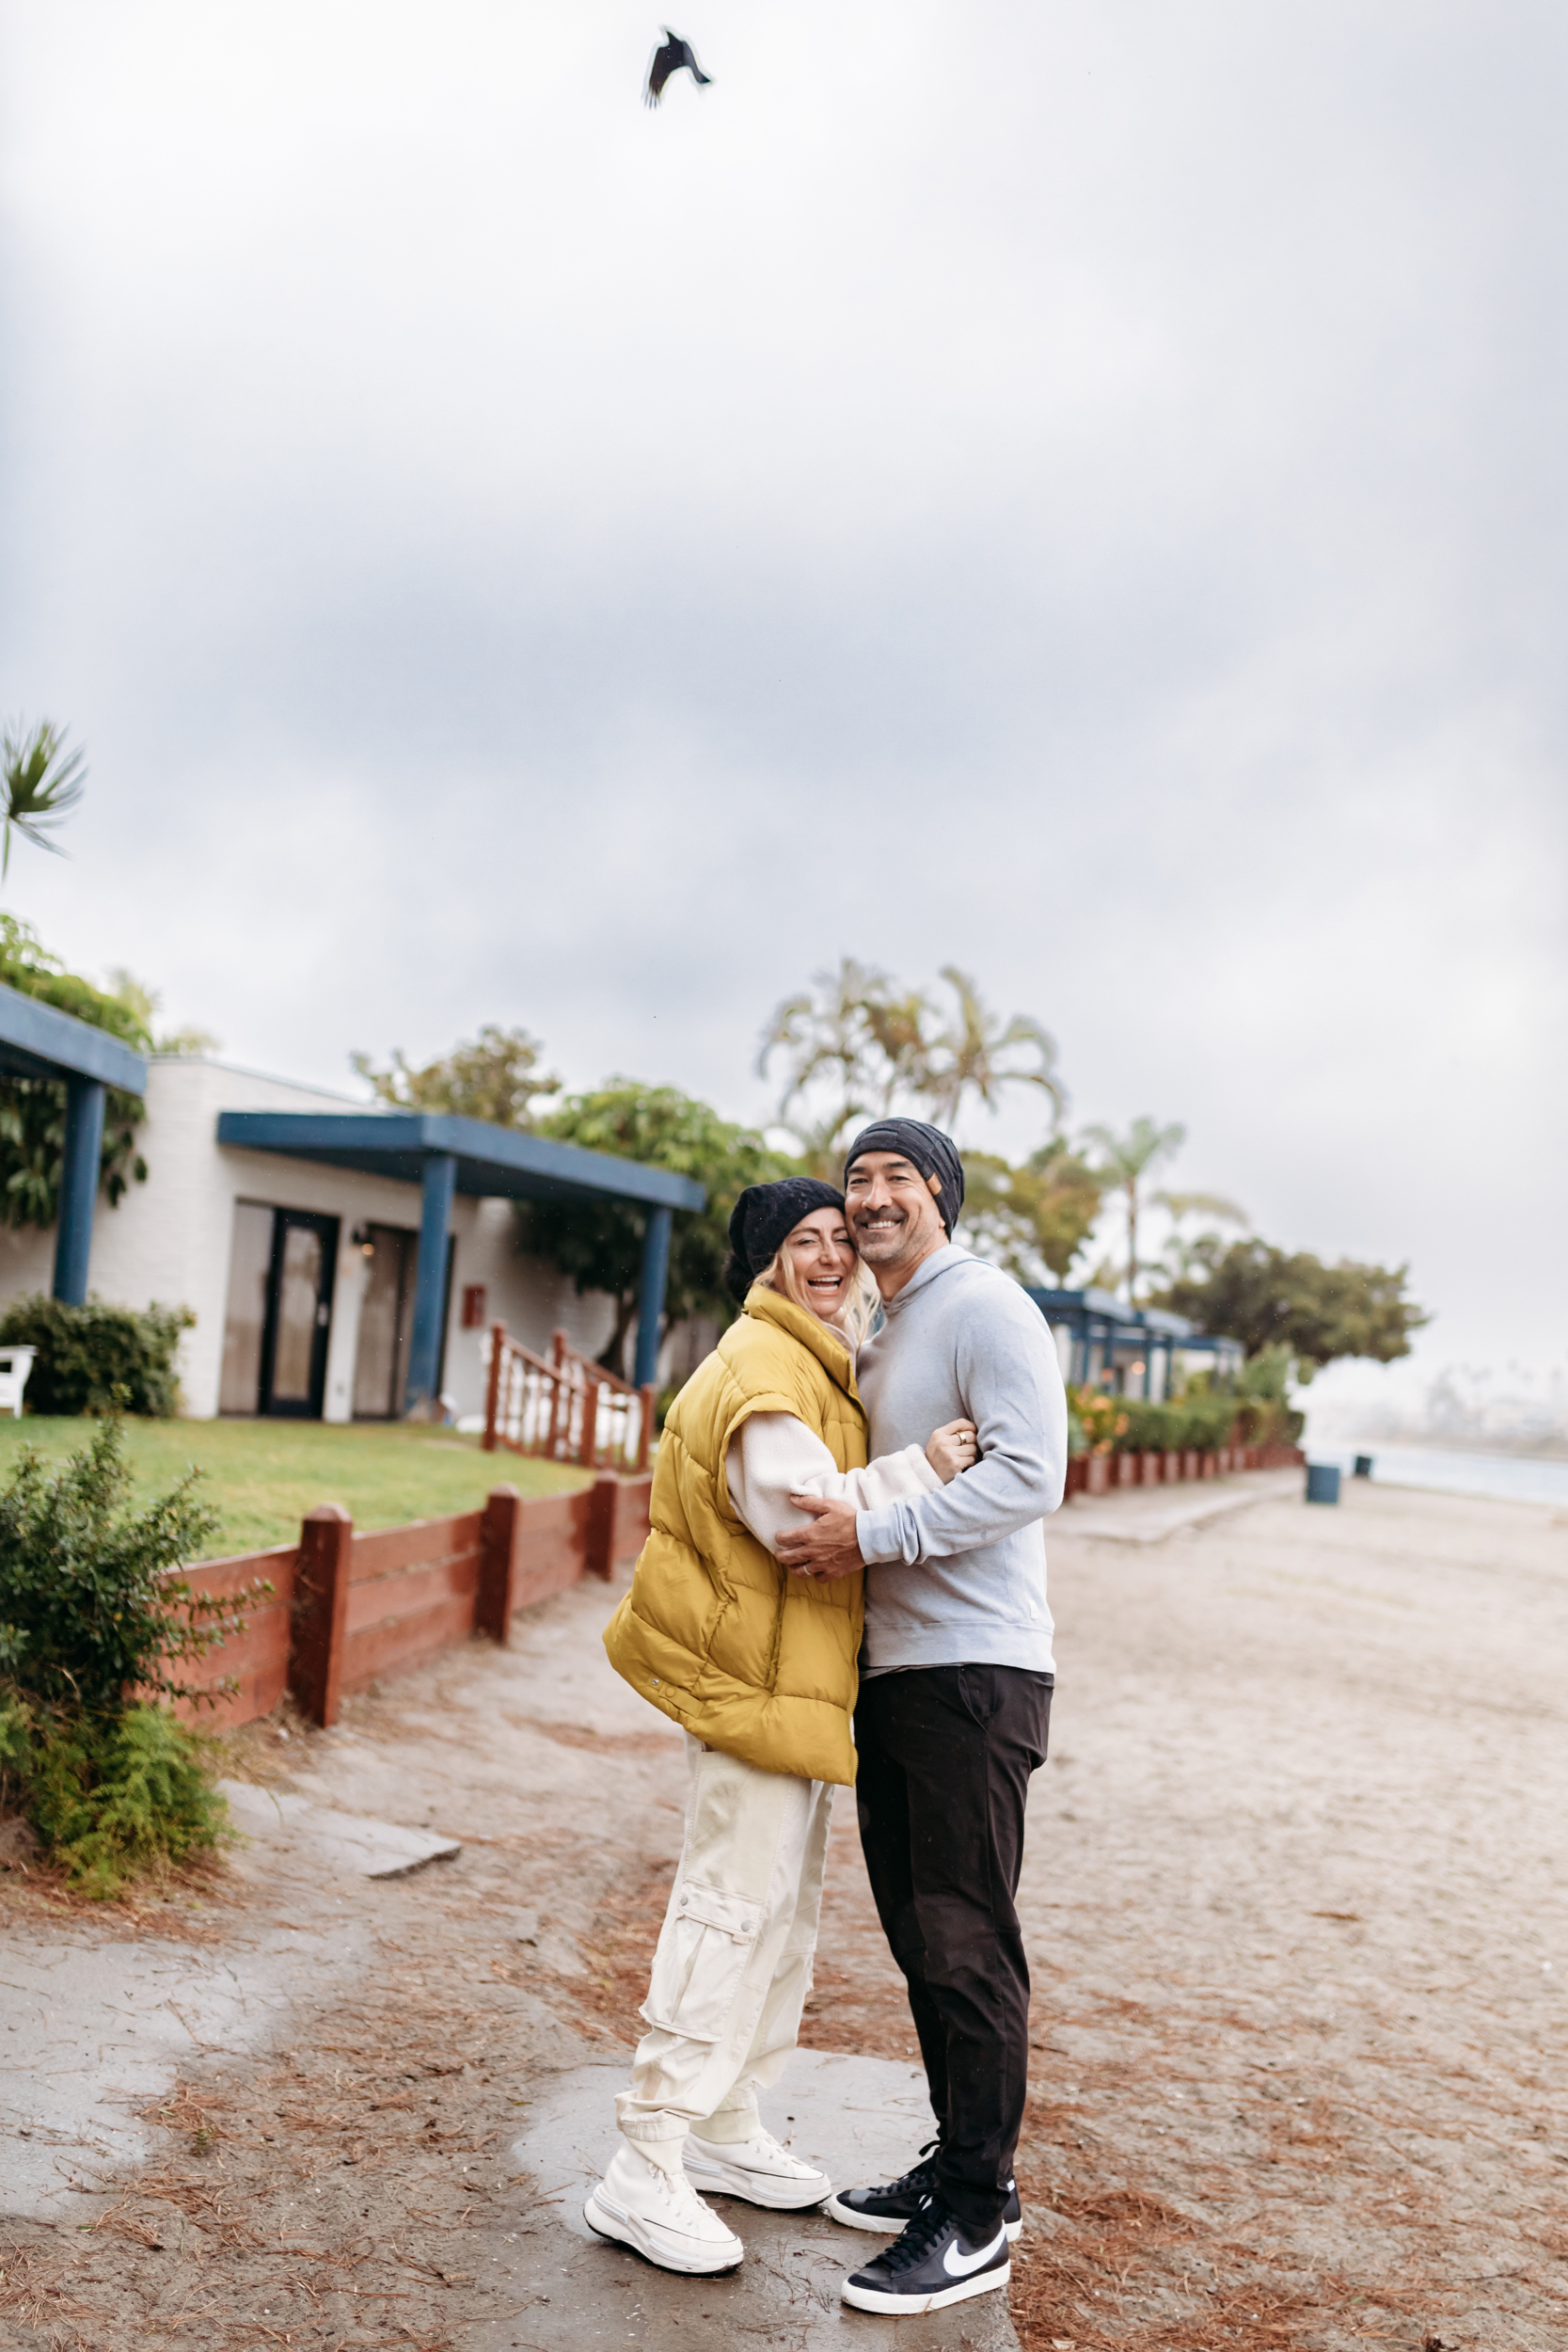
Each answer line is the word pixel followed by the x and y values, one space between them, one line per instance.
pixel 945 1757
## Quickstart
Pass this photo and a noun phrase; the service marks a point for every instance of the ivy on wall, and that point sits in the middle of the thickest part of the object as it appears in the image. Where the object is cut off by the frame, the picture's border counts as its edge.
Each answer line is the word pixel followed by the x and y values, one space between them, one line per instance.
pixel 32 1110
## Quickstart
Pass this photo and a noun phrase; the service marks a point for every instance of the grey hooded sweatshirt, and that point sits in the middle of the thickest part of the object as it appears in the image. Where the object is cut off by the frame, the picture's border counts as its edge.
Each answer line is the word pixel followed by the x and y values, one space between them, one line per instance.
pixel 957 1577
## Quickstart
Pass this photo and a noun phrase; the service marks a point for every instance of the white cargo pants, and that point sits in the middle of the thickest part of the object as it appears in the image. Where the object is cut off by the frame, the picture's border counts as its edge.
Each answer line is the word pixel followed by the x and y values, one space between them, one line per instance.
pixel 733 1963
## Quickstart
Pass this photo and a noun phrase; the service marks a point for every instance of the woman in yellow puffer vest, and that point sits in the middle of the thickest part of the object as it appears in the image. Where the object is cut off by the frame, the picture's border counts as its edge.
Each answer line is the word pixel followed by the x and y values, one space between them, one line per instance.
pixel 759 1669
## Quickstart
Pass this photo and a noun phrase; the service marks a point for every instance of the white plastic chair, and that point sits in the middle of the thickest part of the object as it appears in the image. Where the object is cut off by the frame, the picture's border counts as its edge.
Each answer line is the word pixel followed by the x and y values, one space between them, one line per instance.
pixel 15 1364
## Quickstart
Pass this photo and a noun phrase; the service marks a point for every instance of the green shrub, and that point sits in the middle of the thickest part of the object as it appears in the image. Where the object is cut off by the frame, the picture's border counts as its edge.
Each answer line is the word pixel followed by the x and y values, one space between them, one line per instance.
pixel 93 1359
pixel 1148 1429
pixel 1209 1421
pixel 1196 1421
pixel 93 1626
pixel 88 1612
pixel 112 1797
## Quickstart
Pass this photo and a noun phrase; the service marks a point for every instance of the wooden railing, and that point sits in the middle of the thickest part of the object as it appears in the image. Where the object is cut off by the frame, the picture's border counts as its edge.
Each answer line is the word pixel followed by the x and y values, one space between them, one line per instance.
pixel 346 1610
pixel 563 1408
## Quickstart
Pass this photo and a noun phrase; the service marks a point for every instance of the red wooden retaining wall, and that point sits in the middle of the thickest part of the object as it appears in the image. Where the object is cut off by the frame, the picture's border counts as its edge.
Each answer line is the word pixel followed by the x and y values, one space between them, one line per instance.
pixel 1099 1473
pixel 347 1609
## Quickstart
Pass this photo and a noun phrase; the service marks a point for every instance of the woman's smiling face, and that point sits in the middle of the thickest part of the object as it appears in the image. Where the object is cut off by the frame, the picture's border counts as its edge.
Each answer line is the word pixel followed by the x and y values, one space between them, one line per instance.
pixel 821 1260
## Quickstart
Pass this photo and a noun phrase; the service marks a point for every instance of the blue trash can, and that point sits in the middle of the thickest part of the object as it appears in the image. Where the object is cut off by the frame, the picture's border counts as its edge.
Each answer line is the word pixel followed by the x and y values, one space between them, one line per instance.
pixel 1363 1466
pixel 1323 1482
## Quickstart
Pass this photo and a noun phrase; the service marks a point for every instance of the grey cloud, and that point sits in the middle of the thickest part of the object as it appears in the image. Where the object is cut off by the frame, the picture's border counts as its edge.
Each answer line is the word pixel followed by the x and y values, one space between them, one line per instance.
pixel 1099 516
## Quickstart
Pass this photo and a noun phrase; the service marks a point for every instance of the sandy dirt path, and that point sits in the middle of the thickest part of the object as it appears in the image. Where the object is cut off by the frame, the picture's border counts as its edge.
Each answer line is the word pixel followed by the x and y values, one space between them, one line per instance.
pixel 1296 1908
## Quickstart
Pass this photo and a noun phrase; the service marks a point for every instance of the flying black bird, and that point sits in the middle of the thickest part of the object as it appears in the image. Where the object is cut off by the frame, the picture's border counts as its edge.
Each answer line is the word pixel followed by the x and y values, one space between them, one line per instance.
pixel 669 59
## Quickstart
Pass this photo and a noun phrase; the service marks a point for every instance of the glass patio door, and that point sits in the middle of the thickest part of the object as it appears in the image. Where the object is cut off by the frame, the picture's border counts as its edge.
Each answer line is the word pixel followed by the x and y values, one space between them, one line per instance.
pixel 385 1320
pixel 299 1315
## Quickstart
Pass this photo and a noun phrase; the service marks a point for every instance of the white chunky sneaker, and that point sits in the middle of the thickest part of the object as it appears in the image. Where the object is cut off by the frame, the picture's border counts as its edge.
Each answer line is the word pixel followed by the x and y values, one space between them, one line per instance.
pixel 660 2215
pixel 758 2170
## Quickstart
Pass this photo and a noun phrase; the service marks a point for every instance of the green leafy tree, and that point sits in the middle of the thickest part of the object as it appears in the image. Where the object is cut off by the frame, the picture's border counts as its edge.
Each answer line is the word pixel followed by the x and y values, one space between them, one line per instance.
pixel 1032 1221
pixel 495 1077
pixel 1124 1163
pixel 32 1110
pixel 600 1244
pixel 1268 1297
pixel 41 781
pixel 857 1045
pixel 1182 1244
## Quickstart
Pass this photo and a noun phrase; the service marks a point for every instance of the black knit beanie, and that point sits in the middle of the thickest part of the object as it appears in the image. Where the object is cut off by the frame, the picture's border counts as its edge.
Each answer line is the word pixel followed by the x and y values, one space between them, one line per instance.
pixel 763 1217
pixel 929 1150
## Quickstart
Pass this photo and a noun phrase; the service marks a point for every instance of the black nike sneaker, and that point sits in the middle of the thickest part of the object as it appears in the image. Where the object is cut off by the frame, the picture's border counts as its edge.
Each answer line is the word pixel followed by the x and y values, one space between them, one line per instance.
pixel 888 2208
pixel 934 2262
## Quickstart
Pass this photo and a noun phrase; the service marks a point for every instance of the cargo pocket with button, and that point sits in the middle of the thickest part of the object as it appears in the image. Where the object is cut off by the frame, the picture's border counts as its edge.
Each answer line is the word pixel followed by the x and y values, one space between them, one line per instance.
pixel 701 1961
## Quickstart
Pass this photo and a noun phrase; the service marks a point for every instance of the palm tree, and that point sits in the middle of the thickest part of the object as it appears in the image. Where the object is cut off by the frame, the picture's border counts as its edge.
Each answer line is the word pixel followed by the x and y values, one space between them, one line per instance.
pixel 1125 1161
pixel 41 781
pixel 863 1041
pixel 973 1057
pixel 853 1035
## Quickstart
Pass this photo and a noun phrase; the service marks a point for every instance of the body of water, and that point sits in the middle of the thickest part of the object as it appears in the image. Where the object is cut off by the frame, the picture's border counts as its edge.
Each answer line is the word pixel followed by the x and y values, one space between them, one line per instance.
pixel 1507 1477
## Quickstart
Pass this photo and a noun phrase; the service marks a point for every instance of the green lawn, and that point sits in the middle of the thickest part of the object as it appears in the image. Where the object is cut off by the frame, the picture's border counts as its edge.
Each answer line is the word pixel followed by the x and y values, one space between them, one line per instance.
pixel 262 1476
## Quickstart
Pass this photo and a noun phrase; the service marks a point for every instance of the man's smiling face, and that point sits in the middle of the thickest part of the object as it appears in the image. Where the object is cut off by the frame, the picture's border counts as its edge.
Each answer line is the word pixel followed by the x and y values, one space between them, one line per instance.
pixel 892 1215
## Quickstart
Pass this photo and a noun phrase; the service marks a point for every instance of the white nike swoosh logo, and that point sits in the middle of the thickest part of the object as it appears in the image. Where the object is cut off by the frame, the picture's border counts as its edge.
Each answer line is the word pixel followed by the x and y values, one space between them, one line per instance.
pixel 959 2266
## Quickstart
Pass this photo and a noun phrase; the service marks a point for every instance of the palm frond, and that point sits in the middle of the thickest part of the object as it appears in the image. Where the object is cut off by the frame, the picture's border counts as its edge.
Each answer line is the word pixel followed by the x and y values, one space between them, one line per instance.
pixel 1182 1204
pixel 42 781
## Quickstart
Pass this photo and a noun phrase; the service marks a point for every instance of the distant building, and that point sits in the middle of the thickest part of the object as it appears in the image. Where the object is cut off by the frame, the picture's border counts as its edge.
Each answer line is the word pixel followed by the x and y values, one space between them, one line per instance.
pixel 1133 1352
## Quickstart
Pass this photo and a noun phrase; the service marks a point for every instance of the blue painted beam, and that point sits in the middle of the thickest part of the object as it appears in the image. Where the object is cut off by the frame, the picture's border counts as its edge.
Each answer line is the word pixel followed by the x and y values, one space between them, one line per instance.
pixel 650 1294
pixel 36 1041
pixel 490 1161
pixel 430 1286
pixel 83 1143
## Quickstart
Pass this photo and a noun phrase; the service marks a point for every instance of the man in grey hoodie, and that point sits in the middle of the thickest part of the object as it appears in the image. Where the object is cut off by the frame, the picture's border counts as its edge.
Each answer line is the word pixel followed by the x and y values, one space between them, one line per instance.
pixel 957 1677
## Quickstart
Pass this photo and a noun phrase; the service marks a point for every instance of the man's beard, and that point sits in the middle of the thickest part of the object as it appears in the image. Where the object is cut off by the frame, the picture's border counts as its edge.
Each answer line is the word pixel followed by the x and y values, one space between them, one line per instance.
pixel 884 1247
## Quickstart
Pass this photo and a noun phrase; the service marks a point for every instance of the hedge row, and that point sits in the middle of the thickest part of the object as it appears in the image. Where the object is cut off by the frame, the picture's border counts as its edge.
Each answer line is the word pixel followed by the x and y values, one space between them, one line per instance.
pixel 97 1359
pixel 1196 1424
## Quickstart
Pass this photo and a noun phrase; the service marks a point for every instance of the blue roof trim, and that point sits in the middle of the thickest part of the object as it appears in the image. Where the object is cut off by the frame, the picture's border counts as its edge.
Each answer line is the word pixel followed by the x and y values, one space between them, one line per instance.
pixel 491 1161
pixel 1082 1310
pixel 1100 1307
pixel 38 1041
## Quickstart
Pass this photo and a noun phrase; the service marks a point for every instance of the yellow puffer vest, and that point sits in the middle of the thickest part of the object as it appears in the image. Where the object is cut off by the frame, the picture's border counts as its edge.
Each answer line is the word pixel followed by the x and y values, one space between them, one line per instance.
pixel 713 1631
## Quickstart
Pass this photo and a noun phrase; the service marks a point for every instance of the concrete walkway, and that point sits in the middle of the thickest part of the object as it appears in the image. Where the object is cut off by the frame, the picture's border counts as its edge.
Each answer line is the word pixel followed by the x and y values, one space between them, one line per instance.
pixel 317 2007
pixel 1147 1514
pixel 862 2119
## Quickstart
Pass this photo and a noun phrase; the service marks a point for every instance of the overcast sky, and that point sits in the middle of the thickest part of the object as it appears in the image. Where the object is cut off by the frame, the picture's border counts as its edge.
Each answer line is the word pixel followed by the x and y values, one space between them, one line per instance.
pixel 1075 488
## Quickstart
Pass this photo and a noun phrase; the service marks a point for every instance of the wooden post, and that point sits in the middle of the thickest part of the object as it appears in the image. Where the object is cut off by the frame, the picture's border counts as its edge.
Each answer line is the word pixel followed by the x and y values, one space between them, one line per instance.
pixel 320 1612
pixel 492 1394
pixel 587 1450
pixel 498 1566
pixel 558 1350
pixel 599 1553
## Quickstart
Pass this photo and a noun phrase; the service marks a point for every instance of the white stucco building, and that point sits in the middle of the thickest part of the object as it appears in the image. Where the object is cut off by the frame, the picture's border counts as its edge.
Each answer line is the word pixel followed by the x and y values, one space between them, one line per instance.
pixel 294 1238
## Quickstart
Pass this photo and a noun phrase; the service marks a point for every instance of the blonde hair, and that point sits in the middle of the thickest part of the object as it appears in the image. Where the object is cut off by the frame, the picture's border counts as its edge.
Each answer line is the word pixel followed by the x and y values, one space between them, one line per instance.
pixel 859 1306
